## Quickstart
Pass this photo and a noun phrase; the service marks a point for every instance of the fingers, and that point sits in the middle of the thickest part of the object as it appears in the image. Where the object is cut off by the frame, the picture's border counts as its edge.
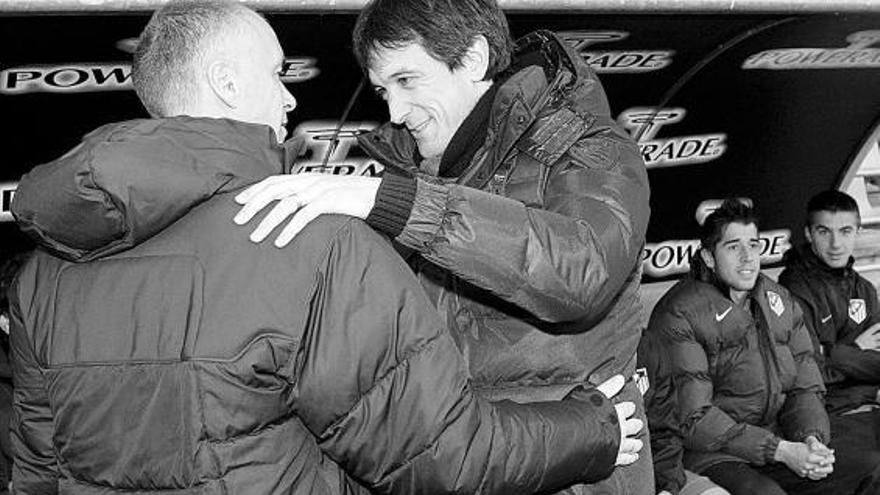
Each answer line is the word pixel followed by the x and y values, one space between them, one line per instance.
pixel 277 187
pixel 625 459
pixel 297 223
pixel 286 207
pixel 632 427
pixel 629 451
pixel 612 386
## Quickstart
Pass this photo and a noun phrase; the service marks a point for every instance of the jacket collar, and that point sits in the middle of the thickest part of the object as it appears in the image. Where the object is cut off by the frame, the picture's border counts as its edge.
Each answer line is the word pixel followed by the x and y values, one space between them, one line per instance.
pixel 802 258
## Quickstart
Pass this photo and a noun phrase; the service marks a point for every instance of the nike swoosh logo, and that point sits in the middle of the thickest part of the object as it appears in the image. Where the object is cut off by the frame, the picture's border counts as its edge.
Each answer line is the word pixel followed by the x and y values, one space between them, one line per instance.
pixel 720 316
pixel 825 320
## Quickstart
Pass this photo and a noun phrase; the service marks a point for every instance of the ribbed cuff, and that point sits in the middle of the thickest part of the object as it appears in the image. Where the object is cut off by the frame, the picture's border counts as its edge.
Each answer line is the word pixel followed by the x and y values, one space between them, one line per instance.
pixel 770 449
pixel 394 203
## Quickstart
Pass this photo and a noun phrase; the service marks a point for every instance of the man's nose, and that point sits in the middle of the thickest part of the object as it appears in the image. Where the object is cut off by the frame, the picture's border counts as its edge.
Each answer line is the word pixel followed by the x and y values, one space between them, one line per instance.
pixel 835 239
pixel 398 109
pixel 288 99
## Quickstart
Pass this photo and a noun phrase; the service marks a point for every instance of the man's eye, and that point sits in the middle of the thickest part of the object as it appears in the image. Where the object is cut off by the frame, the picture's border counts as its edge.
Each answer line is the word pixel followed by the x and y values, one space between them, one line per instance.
pixel 404 81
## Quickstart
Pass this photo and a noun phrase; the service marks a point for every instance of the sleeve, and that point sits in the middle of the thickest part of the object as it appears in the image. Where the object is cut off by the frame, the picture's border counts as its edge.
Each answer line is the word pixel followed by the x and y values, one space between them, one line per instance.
pixel 562 262
pixel 873 303
pixel 837 360
pixel 803 413
pixel 384 389
pixel 35 469
pixel 705 427
pixel 662 412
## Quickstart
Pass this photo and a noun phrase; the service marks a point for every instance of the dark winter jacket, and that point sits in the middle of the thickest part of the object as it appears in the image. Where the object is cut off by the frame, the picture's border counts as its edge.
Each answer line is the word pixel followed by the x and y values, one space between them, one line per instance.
pixel 532 251
pixel 157 350
pixel 745 376
pixel 838 304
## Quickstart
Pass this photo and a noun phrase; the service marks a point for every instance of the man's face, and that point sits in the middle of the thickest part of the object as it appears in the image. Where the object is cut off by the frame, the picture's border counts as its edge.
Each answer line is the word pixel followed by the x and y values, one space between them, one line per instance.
pixel 736 257
pixel 832 236
pixel 424 95
pixel 264 98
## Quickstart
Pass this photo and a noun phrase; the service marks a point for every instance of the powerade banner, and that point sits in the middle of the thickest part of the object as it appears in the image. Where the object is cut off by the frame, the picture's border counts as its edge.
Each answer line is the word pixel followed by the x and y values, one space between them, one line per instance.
pixel 765 106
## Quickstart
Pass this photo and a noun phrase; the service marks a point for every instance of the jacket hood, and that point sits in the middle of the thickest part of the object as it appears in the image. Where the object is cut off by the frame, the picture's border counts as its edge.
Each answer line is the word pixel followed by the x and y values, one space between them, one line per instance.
pixel 125 182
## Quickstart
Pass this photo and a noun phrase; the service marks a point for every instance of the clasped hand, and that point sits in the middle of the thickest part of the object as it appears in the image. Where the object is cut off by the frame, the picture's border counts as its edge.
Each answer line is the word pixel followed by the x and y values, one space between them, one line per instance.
pixel 810 458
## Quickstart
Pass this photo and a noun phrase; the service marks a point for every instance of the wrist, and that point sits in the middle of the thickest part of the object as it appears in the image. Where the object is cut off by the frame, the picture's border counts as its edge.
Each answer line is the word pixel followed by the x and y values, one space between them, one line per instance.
pixel 781 452
pixel 392 204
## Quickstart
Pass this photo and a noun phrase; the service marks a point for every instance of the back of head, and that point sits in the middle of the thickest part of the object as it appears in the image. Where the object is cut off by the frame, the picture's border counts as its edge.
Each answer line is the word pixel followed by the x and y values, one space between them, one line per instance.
pixel 832 201
pixel 732 210
pixel 169 55
pixel 444 28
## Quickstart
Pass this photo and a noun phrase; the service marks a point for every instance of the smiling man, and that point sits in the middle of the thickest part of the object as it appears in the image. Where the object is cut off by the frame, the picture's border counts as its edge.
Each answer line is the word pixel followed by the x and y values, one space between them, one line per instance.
pixel 517 199
pixel 749 392
pixel 843 314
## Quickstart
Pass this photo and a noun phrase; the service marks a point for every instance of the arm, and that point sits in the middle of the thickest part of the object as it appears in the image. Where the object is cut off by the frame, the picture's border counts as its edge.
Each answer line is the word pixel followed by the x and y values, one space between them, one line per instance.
pixel 840 360
pixel 705 426
pixel 387 394
pixel 35 470
pixel 564 261
pixel 803 413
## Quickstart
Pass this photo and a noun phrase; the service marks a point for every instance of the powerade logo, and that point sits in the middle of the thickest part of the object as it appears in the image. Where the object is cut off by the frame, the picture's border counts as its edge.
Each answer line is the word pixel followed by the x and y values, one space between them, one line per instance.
pixel 858 55
pixel 7 191
pixel 615 61
pixel 112 76
pixel 668 258
pixel 645 122
pixel 322 141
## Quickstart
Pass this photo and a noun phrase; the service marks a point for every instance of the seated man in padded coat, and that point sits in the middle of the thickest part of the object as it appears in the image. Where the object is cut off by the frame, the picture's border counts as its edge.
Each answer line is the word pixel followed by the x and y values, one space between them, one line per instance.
pixel 749 391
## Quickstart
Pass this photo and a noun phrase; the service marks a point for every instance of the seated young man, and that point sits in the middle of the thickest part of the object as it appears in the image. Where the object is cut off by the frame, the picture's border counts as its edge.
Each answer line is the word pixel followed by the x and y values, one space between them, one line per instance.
pixel 748 389
pixel 842 313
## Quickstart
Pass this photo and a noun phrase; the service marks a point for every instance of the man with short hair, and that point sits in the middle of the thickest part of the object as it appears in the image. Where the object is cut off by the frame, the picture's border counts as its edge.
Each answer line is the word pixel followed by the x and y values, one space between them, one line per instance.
pixel 157 350
pixel 520 203
pixel 749 392
pixel 840 306
pixel 843 315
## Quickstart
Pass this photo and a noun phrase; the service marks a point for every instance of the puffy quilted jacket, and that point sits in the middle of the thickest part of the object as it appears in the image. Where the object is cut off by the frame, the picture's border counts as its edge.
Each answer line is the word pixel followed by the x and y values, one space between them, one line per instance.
pixel 157 350
pixel 532 254
pixel 745 376
pixel 838 304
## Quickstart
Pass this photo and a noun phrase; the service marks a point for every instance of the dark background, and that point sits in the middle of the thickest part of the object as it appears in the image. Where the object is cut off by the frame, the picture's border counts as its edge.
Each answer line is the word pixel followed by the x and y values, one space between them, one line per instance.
pixel 788 133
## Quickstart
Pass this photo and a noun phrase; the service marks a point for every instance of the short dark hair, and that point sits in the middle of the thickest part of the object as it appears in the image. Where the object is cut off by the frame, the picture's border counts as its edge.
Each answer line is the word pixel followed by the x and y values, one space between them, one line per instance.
pixel 832 201
pixel 732 210
pixel 444 28
pixel 164 70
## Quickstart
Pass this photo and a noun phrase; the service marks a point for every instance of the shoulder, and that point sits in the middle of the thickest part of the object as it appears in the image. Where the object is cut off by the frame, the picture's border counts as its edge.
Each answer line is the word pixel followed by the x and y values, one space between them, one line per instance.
pixel 689 300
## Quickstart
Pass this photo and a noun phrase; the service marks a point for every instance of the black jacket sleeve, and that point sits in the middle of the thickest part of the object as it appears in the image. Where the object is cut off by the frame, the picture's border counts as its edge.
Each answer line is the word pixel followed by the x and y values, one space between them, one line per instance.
pixel 382 385
pixel 35 470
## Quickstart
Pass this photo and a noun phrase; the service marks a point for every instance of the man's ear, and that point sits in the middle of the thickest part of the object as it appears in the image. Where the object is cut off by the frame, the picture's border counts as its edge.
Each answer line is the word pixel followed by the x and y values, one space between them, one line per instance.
pixel 223 82
pixel 807 234
pixel 476 59
pixel 708 258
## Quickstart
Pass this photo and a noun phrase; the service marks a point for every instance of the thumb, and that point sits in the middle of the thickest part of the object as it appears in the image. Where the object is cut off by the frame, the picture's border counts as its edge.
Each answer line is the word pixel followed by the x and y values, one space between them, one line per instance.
pixel 611 386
